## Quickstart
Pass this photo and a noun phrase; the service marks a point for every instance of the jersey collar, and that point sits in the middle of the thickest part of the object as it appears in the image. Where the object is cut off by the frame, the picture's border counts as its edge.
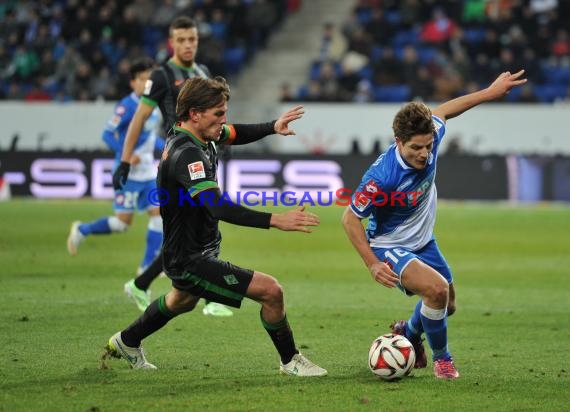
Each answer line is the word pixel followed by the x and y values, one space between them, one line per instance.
pixel 400 159
pixel 190 69
pixel 194 138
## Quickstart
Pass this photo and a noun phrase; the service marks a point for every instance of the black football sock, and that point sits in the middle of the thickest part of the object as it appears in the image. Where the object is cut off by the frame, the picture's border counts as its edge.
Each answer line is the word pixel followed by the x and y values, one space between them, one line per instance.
pixel 154 317
pixel 144 280
pixel 282 337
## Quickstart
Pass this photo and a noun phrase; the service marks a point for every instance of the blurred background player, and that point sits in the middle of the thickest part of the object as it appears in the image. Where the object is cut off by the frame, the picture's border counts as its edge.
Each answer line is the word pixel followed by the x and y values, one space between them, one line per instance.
pixel 398 246
pixel 142 179
pixel 162 90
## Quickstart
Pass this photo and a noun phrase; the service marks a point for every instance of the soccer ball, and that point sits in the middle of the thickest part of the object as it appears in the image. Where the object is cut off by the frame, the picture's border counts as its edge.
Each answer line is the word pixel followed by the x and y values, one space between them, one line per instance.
pixel 391 357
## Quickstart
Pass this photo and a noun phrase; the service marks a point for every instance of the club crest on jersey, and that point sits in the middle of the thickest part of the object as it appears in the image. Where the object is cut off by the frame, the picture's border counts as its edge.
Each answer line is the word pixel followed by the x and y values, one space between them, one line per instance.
pixel 147 86
pixel 371 187
pixel 196 170
pixel 178 82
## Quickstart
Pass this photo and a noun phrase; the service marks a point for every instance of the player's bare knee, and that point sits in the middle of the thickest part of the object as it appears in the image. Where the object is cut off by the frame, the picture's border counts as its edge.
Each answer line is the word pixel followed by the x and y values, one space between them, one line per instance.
pixel 180 302
pixel 274 293
pixel 439 293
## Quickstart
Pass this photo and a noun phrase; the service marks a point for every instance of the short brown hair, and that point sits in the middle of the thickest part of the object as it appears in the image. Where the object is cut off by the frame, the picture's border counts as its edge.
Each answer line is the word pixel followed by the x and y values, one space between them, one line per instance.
pixel 181 22
pixel 201 94
pixel 413 118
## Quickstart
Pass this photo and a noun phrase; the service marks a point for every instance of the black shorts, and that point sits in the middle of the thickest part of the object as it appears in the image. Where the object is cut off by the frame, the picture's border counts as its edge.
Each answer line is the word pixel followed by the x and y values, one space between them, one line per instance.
pixel 216 280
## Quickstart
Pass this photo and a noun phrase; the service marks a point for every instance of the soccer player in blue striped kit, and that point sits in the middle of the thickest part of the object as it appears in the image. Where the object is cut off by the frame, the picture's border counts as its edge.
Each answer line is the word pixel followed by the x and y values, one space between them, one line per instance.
pixel 398 245
pixel 142 179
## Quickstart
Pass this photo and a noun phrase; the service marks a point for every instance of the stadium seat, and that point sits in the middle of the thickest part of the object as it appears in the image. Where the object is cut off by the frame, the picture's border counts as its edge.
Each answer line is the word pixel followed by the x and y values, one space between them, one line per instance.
pixel 392 94
pixel 426 54
pixel 547 93
pixel 315 70
pixel 234 59
pixel 474 36
pixel 405 37
pixel 376 53
pixel 556 75
pixel 366 72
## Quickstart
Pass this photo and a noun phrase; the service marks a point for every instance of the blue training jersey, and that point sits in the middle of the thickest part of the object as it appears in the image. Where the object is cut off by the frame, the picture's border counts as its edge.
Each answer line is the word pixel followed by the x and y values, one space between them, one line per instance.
pixel 399 200
pixel 116 131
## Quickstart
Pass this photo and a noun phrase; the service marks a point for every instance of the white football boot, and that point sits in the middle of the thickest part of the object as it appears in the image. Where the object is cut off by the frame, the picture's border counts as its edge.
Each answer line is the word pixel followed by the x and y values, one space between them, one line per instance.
pixel 135 356
pixel 301 366
pixel 75 238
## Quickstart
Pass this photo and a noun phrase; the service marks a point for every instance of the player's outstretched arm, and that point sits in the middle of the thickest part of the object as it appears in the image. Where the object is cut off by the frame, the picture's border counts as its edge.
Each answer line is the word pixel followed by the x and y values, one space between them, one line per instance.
pixel 282 124
pixel 297 220
pixel 500 87
pixel 224 209
pixel 240 134
pixel 379 271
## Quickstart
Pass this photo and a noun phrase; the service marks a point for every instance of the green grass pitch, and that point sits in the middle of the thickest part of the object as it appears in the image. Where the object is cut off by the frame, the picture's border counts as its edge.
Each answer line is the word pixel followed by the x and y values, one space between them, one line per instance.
pixel 510 336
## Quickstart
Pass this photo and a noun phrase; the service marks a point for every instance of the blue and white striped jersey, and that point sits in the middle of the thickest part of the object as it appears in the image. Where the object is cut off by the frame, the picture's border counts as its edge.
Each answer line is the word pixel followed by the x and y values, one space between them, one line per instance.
pixel 398 219
pixel 116 131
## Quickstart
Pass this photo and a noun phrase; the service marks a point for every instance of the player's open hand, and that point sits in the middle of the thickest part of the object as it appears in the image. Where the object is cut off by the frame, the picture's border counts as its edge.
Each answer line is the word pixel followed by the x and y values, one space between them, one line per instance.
pixel 282 124
pixel 295 220
pixel 382 274
pixel 504 83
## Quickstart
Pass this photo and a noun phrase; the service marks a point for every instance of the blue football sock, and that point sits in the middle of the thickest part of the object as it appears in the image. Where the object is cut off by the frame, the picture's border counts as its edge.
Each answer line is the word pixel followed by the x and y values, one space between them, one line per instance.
pixel 96 227
pixel 153 244
pixel 414 327
pixel 434 322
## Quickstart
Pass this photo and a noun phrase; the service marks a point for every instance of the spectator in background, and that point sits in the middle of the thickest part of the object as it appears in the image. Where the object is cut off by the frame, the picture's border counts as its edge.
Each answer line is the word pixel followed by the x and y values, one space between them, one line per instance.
pixel 333 43
pixel 285 93
pixel 388 70
pixel 527 94
pixel 439 29
pixel 364 92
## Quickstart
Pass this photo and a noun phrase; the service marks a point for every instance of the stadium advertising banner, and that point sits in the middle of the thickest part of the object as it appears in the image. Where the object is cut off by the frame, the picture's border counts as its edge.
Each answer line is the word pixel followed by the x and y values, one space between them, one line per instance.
pixel 326 128
pixel 72 175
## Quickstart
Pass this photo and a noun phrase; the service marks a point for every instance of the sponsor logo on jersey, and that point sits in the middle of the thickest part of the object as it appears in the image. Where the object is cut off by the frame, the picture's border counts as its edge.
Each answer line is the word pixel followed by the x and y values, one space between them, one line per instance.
pixel 196 170
pixel 361 200
pixel 405 184
pixel 115 121
pixel 147 86
pixel 120 110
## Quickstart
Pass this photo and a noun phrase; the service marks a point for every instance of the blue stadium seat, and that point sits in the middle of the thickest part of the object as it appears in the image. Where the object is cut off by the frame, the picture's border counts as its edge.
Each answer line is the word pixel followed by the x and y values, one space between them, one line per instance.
pixel 364 16
pixel 234 59
pixel 376 53
pixel 514 95
pixel 393 94
pixel 556 75
pixel 315 70
pixel 393 17
pixel 547 93
pixel 405 37
pixel 474 35
pixel 426 54
pixel 366 72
